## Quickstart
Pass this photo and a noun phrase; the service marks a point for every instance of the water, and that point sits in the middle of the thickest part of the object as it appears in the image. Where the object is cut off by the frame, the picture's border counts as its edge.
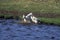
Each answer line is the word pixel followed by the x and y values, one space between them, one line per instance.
pixel 10 30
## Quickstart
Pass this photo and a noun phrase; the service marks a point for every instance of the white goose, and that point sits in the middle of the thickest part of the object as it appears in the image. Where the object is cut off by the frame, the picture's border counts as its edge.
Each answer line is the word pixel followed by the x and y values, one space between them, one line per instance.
pixel 31 18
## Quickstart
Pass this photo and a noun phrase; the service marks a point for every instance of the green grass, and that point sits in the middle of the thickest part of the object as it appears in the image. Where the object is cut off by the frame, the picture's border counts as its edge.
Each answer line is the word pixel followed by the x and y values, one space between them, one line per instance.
pixel 51 20
pixel 47 6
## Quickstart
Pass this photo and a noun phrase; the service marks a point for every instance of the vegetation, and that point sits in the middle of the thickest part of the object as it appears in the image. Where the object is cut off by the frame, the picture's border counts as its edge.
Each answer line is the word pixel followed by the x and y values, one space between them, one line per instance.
pixel 41 6
pixel 51 20
pixel 6 16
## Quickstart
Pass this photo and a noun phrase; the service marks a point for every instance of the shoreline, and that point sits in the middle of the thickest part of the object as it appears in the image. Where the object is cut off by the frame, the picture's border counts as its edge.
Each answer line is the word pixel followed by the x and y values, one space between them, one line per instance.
pixel 18 15
pixel 18 18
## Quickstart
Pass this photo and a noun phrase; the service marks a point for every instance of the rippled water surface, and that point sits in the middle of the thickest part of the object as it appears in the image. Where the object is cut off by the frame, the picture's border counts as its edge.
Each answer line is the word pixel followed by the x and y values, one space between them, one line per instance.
pixel 11 30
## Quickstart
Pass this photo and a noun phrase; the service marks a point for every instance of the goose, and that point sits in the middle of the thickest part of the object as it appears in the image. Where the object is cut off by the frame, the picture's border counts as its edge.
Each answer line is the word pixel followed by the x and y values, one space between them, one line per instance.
pixel 31 18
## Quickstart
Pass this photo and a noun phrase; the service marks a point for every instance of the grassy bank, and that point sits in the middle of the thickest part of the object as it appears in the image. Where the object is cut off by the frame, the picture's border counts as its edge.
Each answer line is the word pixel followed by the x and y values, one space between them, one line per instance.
pixel 51 20
pixel 40 6
pixel 42 19
pixel 6 16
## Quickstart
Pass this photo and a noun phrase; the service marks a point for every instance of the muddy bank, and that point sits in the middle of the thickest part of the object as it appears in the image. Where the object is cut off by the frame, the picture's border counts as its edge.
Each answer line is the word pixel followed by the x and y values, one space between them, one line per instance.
pixel 18 13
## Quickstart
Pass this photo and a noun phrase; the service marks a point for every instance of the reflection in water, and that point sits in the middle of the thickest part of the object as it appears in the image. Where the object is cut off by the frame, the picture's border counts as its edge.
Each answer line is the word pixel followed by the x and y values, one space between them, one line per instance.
pixel 10 30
